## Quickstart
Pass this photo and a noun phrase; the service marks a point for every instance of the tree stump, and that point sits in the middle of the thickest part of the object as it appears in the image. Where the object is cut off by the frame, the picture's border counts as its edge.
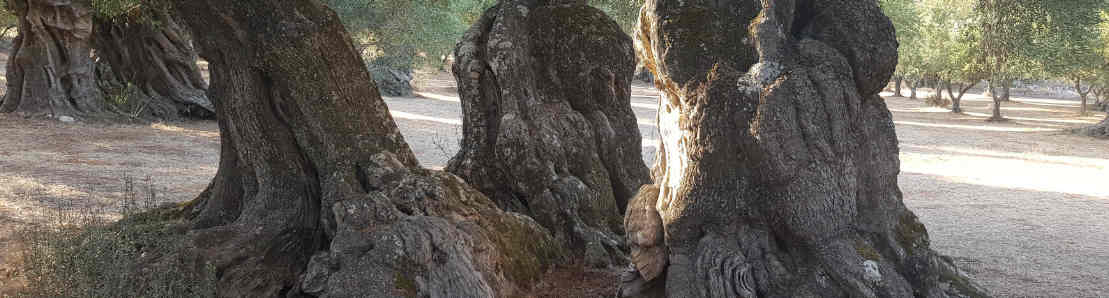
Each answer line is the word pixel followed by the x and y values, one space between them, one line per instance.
pixel 778 160
pixel 548 129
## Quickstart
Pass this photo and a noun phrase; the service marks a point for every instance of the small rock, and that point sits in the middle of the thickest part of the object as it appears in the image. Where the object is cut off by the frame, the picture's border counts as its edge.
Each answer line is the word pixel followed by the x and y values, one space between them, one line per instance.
pixel 66 119
pixel 872 273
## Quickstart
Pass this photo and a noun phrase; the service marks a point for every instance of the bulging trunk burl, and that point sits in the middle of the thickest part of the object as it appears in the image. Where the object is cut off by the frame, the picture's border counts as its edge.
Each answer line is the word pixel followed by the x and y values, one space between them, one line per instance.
pixel 547 121
pixel 152 61
pixel 778 160
pixel 317 192
pixel 50 71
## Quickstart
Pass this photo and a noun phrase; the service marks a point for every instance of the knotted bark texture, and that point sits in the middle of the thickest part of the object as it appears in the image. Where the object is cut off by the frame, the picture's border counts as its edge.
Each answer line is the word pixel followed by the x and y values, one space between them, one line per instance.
pixel 151 62
pixel 317 192
pixel 50 71
pixel 778 160
pixel 547 122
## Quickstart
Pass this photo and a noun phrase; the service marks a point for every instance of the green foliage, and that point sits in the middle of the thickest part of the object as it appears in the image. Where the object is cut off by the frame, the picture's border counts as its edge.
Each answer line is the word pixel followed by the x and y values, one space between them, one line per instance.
pixel 407 33
pixel 906 20
pixel 111 9
pixel 624 12
pixel 8 19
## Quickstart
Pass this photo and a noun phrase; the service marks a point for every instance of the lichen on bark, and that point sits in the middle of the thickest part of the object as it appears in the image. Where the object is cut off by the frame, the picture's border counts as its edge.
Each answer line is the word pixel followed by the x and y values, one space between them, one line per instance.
pixel 778 164
pixel 548 129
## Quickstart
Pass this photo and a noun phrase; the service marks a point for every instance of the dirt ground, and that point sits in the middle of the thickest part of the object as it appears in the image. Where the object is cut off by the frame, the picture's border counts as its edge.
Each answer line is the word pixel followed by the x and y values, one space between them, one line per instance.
pixel 1020 205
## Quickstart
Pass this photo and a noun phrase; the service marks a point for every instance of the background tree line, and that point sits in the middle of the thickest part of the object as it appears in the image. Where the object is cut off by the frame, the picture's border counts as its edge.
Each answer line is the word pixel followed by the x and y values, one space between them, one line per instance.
pixel 952 45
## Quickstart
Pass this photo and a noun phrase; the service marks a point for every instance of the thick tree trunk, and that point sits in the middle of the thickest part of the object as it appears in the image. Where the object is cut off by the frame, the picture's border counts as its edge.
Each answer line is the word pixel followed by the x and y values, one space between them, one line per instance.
pixel 785 185
pixel 50 70
pixel 317 192
pixel 155 58
pixel 547 122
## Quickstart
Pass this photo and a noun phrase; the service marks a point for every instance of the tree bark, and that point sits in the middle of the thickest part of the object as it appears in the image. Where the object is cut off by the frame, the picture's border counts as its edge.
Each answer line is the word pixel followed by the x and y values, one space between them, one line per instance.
pixel 155 57
pixel 778 167
pixel 955 101
pixel 1005 89
pixel 897 86
pixel 1083 94
pixel 957 98
pixel 548 128
pixel 912 89
pixel 50 71
pixel 317 192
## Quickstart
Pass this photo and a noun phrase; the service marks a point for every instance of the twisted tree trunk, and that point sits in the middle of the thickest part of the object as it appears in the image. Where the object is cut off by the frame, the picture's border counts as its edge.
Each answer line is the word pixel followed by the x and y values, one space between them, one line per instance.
pixel 547 120
pixel 50 71
pixel 154 58
pixel 957 98
pixel 317 192
pixel 778 160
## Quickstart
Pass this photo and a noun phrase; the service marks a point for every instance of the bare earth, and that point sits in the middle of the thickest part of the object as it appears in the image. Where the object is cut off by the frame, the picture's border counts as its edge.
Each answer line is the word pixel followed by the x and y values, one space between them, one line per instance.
pixel 1020 205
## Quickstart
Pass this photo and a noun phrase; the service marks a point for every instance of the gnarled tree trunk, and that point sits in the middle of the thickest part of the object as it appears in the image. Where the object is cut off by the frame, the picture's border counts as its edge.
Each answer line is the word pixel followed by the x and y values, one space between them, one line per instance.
pixel 50 70
pixel 548 125
pixel 778 160
pixel 152 63
pixel 317 192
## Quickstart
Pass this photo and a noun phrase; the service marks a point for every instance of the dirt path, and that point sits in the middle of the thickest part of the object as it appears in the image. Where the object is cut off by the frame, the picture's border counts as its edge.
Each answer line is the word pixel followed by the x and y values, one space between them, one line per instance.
pixel 1018 204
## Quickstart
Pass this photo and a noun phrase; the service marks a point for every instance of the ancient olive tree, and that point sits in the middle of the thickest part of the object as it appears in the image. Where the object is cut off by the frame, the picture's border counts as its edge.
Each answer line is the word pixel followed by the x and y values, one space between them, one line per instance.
pixel 146 57
pixel 778 163
pixel 143 65
pixel 548 125
pixel 317 192
pixel 49 67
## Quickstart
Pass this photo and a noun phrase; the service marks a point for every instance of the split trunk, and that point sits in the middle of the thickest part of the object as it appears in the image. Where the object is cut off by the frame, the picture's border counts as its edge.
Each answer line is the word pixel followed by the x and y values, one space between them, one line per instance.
pixel 778 161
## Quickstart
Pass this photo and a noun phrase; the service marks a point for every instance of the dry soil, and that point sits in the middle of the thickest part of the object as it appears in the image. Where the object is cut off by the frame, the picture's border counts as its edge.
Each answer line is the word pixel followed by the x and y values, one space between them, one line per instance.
pixel 1021 205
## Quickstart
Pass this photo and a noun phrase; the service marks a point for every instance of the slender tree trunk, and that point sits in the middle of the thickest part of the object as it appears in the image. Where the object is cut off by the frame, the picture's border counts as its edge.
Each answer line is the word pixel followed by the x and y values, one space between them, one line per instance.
pixel 912 89
pixel 785 185
pixel 1082 94
pixel 897 86
pixel 153 56
pixel 1097 91
pixel 50 70
pixel 548 129
pixel 1005 86
pixel 956 101
pixel 317 192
